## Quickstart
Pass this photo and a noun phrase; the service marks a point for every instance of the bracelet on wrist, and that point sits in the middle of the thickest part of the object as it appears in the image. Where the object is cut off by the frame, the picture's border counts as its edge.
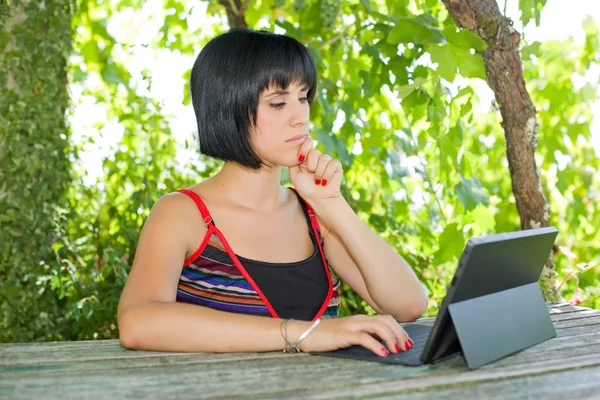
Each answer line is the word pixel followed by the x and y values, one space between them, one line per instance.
pixel 292 347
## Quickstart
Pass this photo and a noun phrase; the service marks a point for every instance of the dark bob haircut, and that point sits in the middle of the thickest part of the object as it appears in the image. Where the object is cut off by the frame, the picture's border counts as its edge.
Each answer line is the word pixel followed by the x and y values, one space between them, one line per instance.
pixel 227 78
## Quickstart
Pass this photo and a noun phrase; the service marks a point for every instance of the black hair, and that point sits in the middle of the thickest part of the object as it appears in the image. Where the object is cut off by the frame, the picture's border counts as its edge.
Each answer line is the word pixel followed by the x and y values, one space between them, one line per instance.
pixel 226 81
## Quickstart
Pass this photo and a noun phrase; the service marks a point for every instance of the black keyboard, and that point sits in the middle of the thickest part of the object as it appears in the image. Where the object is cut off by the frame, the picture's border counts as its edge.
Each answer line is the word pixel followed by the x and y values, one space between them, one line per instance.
pixel 419 335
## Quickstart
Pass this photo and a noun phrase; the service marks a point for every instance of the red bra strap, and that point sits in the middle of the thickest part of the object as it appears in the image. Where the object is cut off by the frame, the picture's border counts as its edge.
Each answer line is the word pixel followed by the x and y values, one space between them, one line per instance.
pixel 213 229
pixel 201 206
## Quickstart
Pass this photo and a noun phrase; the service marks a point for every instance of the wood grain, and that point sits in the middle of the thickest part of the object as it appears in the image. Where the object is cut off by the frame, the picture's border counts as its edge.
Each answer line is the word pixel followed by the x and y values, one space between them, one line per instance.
pixel 568 365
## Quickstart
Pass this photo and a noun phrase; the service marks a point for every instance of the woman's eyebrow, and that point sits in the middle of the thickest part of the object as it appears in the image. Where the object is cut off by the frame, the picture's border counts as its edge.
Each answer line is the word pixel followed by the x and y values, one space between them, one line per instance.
pixel 282 91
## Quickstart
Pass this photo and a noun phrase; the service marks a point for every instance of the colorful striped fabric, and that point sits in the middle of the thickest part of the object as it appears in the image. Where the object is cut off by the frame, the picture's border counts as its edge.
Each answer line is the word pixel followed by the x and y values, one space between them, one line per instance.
pixel 210 278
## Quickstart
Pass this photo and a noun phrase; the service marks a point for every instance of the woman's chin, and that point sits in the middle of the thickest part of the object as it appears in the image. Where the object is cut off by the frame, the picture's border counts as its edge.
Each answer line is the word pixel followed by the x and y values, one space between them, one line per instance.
pixel 288 163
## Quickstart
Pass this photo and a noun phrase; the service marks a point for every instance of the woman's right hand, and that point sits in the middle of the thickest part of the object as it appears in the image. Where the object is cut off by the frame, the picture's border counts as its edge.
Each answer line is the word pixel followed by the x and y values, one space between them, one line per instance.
pixel 363 330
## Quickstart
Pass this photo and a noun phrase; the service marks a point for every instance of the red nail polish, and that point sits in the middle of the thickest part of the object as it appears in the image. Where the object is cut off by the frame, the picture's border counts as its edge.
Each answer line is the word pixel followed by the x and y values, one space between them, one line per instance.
pixel 317 181
pixel 301 157
pixel 398 348
pixel 385 352
pixel 407 346
pixel 324 182
pixel 410 342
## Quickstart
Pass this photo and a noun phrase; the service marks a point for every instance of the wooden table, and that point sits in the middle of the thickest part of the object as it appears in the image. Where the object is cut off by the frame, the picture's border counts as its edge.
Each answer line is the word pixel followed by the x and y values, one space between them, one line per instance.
pixel 567 366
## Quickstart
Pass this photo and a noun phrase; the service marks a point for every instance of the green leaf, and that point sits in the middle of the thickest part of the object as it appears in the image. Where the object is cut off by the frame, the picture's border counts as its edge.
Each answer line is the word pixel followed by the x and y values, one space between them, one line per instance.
pixel 89 51
pixel 406 90
pixel 451 244
pixel 531 9
pixel 471 193
pixel 422 29
pixel 444 57
pixel 447 150
pixel 465 167
pixel 449 58
pixel 471 66
pixel 110 73
pixel 483 218
pixel 418 97
pixel 534 48
pixel 464 38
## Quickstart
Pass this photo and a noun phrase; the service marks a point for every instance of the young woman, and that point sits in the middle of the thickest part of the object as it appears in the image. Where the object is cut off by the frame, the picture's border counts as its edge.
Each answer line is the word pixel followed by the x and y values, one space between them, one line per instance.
pixel 238 263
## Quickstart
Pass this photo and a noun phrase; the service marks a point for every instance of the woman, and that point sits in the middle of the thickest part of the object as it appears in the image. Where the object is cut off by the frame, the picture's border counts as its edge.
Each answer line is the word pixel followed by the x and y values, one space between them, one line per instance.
pixel 252 93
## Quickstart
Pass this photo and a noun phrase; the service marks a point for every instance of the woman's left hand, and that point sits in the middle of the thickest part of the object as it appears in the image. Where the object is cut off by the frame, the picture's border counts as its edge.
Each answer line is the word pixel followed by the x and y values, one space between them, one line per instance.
pixel 317 177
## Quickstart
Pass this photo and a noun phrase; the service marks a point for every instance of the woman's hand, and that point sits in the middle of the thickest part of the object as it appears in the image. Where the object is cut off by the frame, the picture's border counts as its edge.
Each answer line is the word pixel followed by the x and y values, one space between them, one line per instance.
pixel 337 333
pixel 317 177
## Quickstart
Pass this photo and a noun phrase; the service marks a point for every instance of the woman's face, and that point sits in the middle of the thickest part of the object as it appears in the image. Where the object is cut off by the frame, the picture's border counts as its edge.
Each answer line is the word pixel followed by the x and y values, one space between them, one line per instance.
pixel 281 124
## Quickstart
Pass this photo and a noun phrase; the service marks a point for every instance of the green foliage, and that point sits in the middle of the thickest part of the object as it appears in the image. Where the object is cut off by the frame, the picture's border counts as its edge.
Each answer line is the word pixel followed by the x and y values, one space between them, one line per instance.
pixel 329 12
pixel 564 109
pixel 34 164
pixel 531 9
pixel 425 167
pixel 103 221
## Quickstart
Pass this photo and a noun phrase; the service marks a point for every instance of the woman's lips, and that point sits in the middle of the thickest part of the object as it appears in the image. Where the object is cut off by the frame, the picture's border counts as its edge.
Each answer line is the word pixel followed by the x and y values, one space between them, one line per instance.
pixel 297 139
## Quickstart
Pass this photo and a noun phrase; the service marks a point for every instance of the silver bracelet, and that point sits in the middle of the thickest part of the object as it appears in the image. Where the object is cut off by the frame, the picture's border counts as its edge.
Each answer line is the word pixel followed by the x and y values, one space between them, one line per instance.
pixel 291 347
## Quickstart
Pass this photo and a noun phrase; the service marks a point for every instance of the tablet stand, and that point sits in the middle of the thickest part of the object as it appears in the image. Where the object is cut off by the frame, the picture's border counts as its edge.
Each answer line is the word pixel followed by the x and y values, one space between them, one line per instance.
pixel 496 325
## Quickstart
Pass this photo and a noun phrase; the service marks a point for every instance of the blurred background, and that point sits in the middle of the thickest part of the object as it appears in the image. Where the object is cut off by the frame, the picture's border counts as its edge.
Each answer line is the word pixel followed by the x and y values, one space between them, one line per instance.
pixel 96 124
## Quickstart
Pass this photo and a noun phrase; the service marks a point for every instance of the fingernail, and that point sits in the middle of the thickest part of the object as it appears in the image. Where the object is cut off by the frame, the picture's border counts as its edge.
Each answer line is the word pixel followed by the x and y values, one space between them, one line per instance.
pixel 411 342
pixel 385 352
pixel 407 346
pixel 324 182
pixel 301 157
pixel 317 181
pixel 397 348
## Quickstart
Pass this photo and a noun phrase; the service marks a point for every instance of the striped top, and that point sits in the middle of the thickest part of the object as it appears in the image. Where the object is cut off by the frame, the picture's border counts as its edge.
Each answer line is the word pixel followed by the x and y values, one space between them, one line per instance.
pixel 214 276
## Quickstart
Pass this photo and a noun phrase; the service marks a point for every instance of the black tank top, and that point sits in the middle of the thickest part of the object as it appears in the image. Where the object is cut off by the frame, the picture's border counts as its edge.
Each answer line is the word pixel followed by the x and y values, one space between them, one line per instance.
pixel 294 289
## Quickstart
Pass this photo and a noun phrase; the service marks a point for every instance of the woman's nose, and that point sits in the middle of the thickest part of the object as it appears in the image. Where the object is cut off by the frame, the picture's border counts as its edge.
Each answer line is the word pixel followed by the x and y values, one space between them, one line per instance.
pixel 298 120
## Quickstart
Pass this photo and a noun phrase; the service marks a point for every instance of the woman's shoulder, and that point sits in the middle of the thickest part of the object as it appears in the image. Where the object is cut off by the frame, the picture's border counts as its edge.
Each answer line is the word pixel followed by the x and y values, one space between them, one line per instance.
pixel 178 213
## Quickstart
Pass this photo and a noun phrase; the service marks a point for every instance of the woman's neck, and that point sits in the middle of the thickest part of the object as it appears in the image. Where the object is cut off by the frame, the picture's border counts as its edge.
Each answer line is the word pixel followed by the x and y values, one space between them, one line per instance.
pixel 258 190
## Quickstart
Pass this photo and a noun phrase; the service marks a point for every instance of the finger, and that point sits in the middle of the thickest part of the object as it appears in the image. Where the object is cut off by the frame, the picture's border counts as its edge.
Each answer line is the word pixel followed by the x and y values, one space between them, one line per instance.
pixel 305 148
pixel 402 339
pixel 377 327
pixel 333 166
pixel 387 334
pixel 312 160
pixel 322 163
pixel 369 342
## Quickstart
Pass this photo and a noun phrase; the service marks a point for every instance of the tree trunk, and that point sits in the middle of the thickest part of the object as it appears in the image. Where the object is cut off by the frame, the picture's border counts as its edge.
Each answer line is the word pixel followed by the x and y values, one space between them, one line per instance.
pixel 235 12
pixel 34 162
pixel 504 75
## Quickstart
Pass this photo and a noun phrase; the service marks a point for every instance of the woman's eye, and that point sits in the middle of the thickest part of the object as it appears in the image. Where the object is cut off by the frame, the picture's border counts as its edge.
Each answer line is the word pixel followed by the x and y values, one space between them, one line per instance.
pixel 279 105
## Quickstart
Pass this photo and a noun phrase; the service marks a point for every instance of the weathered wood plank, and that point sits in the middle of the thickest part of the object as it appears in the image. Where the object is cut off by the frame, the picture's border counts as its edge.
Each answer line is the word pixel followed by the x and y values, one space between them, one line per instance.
pixel 584 365
pixel 104 369
pixel 32 353
pixel 574 315
pixel 568 349
pixel 595 320
pixel 89 352
pixel 337 381
pixel 296 373
pixel 557 308
pixel 112 350
pixel 562 385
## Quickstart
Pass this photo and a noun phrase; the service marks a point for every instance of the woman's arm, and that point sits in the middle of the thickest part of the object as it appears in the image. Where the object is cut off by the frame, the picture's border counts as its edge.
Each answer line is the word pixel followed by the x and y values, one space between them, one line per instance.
pixel 368 264
pixel 361 258
pixel 171 326
pixel 148 316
